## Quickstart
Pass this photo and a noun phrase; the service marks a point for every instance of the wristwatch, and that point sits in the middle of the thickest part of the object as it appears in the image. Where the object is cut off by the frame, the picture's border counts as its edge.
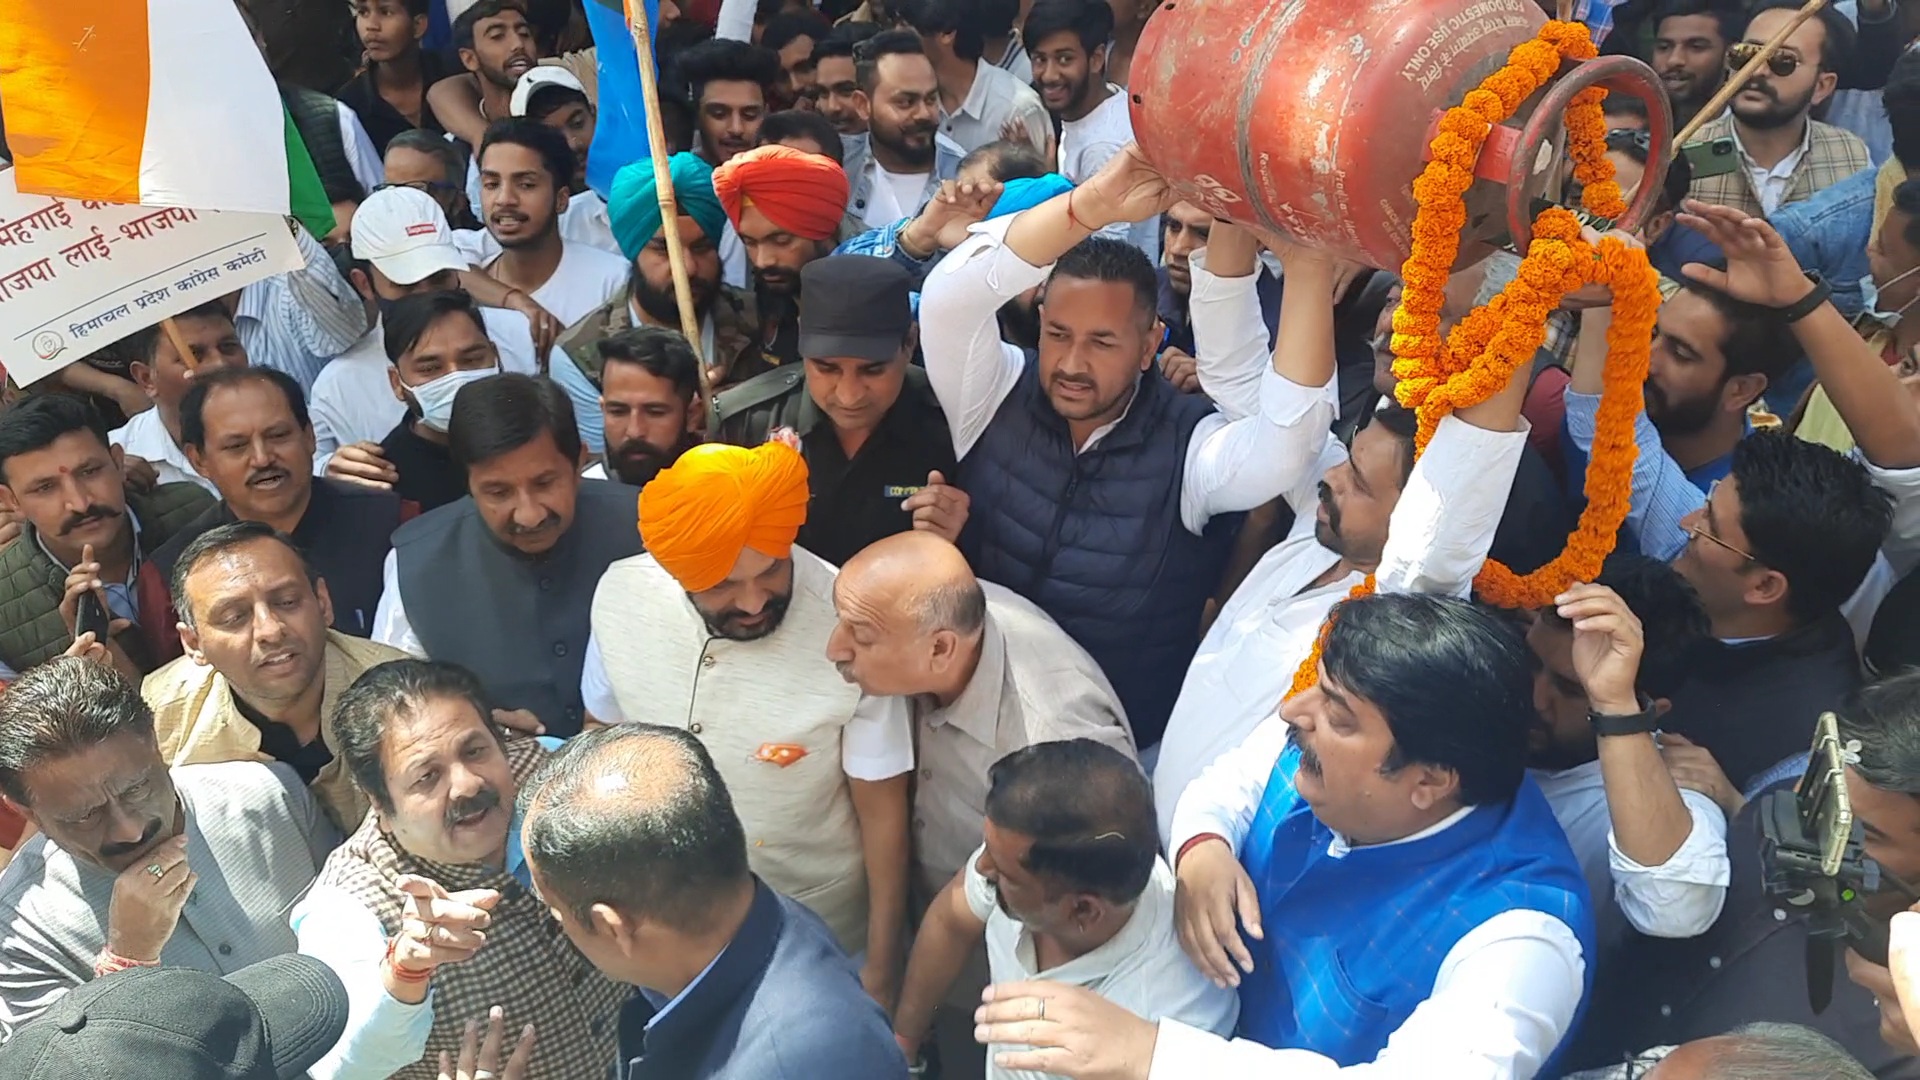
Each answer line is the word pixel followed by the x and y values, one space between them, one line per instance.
pixel 1808 304
pixel 1640 723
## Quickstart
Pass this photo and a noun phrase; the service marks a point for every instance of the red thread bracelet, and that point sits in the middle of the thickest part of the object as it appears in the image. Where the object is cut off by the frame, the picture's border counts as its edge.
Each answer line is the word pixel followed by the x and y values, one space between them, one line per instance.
pixel 1076 221
pixel 401 973
pixel 1195 842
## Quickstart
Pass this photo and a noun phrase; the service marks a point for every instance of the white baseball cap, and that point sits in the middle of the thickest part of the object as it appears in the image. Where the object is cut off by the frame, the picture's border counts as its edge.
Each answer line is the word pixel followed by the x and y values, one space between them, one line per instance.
pixel 403 231
pixel 537 78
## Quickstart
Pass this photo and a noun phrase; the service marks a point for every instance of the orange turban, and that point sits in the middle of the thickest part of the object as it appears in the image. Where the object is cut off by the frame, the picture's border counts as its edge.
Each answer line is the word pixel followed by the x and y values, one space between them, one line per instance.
pixel 717 500
pixel 805 194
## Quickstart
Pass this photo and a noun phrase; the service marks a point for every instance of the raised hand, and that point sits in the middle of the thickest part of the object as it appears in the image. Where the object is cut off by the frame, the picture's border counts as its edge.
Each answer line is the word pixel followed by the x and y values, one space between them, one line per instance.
pixel 438 927
pixel 939 508
pixel 1607 644
pixel 1127 188
pixel 147 898
pixel 1760 270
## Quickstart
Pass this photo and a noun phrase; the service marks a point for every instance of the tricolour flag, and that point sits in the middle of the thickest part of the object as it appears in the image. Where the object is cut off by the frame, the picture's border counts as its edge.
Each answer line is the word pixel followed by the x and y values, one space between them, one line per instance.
pixel 620 126
pixel 157 102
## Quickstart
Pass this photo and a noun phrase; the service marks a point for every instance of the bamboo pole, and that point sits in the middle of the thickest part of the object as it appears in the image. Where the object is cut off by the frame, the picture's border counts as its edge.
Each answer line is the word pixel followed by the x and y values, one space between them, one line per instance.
pixel 172 330
pixel 663 181
pixel 1739 78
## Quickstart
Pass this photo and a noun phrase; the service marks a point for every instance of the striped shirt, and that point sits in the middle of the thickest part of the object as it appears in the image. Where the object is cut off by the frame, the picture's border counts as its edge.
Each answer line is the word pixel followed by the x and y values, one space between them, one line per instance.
pixel 297 321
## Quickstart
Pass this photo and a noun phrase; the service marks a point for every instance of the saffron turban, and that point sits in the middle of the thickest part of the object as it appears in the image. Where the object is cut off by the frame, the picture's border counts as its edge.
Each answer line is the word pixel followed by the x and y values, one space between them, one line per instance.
pixel 699 514
pixel 633 202
pixel 805 194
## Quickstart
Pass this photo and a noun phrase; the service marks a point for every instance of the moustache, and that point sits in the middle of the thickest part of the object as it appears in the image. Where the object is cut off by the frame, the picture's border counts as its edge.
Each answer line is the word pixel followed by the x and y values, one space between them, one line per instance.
pixel 87 517
pixel 266 474
pixel 1333 511
pixel 1310 761
pixel 551 521
pixel 114 851
pixel 1763 88
pixel 1077 382
pixel 472 806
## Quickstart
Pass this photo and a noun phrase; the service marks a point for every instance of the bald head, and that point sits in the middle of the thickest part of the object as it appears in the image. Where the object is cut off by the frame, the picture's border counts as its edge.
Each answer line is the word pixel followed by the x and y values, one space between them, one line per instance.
pixel 637 819
pixel 911 618
pixel 920 577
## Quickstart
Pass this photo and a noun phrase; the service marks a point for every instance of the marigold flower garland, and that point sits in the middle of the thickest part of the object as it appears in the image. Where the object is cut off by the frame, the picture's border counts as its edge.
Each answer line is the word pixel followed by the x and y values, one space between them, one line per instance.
pixel 1480 356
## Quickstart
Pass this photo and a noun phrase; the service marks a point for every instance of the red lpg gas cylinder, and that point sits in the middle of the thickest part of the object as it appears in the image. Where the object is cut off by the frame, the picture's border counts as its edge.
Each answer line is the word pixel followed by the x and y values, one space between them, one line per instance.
pixel 1312 117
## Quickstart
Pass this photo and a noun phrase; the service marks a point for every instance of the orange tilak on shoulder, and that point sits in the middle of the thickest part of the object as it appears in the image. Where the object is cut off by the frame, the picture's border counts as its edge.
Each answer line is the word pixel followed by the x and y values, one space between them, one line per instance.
pixel 1485 350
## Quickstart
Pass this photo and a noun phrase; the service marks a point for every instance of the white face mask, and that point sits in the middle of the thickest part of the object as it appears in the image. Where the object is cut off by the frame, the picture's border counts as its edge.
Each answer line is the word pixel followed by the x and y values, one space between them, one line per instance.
pixel 1870 299
pixel 435 397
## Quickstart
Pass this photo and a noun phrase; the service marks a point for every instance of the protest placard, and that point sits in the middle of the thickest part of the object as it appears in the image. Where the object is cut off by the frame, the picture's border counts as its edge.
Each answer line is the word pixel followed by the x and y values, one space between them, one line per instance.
pixel 77 276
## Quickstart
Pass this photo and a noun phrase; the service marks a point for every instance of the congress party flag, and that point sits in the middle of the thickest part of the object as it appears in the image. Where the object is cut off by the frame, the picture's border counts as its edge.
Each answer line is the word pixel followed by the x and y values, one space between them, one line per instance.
pixel 156 102
pixel 620 129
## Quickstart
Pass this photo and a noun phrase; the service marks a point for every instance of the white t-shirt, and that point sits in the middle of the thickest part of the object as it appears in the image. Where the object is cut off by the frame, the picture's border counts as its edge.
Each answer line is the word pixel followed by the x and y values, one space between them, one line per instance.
pixel 585 222
pixel 893 196
pixel 1141 968
pixel 145 436
pixel 1087 143
pixel 352 400
pixel 585 279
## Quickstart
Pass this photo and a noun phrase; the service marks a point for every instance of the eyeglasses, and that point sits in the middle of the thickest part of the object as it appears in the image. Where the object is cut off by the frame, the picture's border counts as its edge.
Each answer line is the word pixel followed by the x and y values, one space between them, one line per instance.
pixel 1630 139
pixel 1699 531
pixel 1741 53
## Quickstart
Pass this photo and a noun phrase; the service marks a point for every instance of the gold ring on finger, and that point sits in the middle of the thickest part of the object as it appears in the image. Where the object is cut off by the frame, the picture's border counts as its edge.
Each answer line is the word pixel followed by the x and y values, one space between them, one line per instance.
pixel 154 869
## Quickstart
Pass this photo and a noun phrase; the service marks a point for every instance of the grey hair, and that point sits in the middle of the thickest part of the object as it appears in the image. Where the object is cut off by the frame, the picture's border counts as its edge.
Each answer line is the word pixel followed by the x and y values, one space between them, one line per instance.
pixel 62 707
pixel 1882 721
pixel 961 608
pixel 421 141
pixel 1770 1051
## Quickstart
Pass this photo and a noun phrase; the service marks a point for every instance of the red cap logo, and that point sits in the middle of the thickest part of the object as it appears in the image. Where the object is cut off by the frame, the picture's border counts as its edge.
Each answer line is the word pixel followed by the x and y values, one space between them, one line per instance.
pixel 425 228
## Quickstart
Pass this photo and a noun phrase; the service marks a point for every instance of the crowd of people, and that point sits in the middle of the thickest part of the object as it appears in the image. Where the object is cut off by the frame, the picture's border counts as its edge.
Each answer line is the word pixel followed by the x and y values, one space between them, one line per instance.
pixel 432 663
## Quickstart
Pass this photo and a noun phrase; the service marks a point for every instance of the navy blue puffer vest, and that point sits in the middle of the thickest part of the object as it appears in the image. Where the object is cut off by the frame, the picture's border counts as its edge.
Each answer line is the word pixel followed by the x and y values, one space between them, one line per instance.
pixel 1095 539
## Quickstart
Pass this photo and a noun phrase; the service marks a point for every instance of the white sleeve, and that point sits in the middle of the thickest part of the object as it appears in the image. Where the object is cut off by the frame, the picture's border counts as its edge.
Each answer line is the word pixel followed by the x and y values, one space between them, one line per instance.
pixel 1505 996
pixel 1442 528
pixel 1230 345
pixel 972 371
pixel 596 693
pixel 735 21
pixel 383 1035
pixel 1223 798
pixel 877 743
pixel 1681 897
pixel 390 626
pixel 362 158
pixel 1236 465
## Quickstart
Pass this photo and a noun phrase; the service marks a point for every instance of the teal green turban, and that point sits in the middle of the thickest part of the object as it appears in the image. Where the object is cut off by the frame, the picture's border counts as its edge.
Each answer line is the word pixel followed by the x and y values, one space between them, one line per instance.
pixel 633 203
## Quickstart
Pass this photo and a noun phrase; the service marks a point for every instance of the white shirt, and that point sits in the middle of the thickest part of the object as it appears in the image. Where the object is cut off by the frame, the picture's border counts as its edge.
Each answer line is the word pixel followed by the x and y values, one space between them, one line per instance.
pixel 1677 899
pixel 1503 999
pixel 1439 536
pixel 145 436
pixel 877 744
pixel 1087 143
pixel 892 195
pixel 390 625
pixel 1231 465
pixel 1016 62
pixel 1141 969
pixel 585 279
pixel 595 471
pixel 1771 184
pixel 353 400
pixel 994 98
pixel 362 158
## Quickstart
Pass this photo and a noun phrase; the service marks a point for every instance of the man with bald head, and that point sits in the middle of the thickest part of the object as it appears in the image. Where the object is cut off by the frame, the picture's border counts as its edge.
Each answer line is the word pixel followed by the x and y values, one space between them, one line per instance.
pixel 633 842
pixel 987 673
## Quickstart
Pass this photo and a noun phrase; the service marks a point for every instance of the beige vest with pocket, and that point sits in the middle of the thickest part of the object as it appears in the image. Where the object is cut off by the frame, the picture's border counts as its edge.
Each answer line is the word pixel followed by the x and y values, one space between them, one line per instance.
pixel 746 700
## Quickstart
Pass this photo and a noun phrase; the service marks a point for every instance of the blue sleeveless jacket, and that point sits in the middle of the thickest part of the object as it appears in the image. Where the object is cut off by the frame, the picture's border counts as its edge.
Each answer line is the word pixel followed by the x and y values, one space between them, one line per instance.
pixel 1095 539
pixel 1354 944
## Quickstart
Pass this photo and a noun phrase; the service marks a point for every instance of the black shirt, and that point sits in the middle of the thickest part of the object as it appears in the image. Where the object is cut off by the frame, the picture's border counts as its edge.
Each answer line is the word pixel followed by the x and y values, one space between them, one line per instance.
pixel 278 742
pixel 382 120
pixel 854 501
pixel 345 535
pixel 428 474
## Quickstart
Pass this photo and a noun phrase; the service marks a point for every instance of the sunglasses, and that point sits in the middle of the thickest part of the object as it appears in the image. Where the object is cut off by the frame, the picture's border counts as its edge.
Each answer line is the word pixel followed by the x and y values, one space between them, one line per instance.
pixel 1624 139
pixel 1781 64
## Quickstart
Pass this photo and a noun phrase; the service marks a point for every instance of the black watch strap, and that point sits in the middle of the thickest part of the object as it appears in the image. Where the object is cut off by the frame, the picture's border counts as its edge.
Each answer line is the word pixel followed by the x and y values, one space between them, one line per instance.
pixel 1808 304
pixel 1640 723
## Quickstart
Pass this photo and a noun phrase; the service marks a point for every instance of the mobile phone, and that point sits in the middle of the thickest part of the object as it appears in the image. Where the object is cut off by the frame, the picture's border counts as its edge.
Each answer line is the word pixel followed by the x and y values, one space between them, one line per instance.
pixel 91 616
pixel 1716 158
pixel 1826 813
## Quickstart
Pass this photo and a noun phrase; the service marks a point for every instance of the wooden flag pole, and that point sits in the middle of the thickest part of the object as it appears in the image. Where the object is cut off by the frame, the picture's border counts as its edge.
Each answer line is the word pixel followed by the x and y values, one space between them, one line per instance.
pixel 1739 78
pixel 663 181
pixel 172 330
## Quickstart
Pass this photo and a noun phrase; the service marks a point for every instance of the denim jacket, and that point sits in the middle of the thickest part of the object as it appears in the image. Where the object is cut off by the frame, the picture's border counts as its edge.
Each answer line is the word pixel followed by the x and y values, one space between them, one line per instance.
pixel 1829 233
pixel 946 165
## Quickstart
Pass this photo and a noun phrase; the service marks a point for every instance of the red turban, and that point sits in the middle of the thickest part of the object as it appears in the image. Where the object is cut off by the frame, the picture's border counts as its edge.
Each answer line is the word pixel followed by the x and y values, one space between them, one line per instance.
pixel 698 515
pixel 805 194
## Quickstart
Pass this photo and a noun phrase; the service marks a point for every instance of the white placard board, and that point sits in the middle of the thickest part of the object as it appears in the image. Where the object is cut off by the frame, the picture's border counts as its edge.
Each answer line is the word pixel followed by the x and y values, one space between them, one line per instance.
pixel 78 276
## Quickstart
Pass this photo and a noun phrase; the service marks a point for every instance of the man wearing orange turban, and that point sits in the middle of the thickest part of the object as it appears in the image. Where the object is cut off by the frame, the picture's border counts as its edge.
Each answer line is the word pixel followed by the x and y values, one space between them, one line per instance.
pixel 721 629
pixel 786 205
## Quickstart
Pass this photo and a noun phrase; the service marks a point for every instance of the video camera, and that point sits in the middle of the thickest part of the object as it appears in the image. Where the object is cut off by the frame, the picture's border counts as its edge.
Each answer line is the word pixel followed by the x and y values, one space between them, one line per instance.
pixel 1814 860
